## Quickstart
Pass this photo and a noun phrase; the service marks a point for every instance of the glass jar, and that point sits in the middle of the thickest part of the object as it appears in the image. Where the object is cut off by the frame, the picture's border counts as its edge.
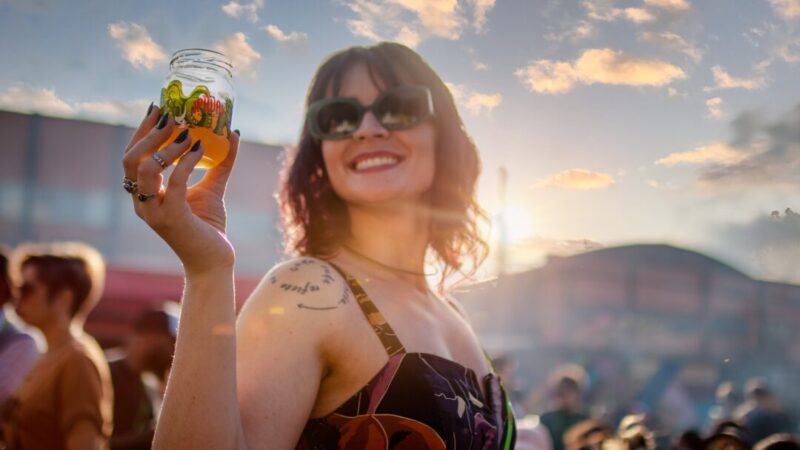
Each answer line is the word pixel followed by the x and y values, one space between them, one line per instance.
pixel 199 93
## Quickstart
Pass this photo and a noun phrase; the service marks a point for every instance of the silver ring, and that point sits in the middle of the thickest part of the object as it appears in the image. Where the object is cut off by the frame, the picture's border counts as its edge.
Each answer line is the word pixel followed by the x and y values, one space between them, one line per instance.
pixel 144 197
pixel 159 160
pixel 129 185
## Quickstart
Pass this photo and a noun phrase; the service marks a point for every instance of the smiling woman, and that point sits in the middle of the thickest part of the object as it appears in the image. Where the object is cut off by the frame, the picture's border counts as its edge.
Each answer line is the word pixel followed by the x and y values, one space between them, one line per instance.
pixel 383 179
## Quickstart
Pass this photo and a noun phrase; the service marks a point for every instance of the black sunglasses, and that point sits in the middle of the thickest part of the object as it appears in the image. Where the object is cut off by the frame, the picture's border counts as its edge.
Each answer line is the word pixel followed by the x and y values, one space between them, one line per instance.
pixel 396 109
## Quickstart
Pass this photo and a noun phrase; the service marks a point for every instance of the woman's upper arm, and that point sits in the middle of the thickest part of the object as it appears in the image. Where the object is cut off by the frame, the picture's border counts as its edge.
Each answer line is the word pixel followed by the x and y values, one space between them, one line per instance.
pixel 280 335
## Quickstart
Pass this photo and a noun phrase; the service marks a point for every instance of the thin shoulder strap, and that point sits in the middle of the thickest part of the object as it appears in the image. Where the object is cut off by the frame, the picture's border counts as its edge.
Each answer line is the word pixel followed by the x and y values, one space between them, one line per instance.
pixel 381 327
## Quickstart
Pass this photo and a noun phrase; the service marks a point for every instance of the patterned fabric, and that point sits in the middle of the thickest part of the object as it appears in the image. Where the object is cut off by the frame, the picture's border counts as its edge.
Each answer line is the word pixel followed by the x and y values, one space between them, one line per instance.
pixel 416 401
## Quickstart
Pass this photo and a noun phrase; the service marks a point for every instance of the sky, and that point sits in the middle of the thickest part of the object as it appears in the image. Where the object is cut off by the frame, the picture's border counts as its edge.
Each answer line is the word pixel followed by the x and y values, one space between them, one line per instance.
pixel 616 122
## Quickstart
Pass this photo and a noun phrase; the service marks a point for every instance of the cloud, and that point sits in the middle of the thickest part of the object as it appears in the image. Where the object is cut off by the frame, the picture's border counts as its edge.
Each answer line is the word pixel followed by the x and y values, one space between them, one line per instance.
pixel 770 241
pixel 786 9
pixel 639 15
pixel 662 186
pixel 475 102
pixel 294 39
pixel 723 80
pixel 577 179
pixel 480 9
pixel 411 21
pixel 604 66
pixel 716 152
pixel 242 55
pixel 479 66
pixel 583 29
pixel 772 149
pixel 673 42
pixel 247 11
pixel 669 5
pixel 28 99
pixel 138 48
pixel 714 106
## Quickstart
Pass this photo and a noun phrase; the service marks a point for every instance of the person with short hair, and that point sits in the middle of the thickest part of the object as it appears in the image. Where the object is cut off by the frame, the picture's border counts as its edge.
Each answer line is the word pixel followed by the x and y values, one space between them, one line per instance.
pixel 18 352
pixel 66 400
pixel 148 352
pixel 762 414
pixel 566 393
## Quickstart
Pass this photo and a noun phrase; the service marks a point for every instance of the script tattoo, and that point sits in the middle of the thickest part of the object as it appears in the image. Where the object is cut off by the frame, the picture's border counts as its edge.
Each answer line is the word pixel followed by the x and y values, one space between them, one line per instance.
pixel 310 287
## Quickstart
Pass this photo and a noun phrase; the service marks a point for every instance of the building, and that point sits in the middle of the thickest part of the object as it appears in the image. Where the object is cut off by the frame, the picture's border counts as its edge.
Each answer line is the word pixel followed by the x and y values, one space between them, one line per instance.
pixel 642 305
pixel 61 180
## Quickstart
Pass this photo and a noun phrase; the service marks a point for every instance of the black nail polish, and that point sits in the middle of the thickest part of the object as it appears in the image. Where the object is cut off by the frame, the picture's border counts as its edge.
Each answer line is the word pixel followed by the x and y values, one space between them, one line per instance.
pixel 195 147
pixel 162 122
pixel 182 137
pixel 149 109
pixel 237 132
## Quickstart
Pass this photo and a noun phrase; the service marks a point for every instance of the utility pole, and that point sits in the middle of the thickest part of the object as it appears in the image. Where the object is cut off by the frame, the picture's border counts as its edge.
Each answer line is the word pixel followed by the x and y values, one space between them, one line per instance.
pixel 501 224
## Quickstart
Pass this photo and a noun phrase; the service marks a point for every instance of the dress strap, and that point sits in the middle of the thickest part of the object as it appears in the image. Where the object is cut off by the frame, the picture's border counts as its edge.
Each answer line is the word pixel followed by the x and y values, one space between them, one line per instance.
pixel 381 327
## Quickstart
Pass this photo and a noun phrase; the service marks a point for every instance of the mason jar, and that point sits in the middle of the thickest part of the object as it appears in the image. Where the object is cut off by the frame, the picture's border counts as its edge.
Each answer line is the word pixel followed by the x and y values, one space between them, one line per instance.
pixel 199 93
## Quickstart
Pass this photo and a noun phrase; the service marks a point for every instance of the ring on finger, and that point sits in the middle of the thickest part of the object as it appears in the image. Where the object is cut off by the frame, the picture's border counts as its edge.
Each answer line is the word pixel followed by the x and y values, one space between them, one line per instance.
pixel 129 185
pixel 144 197
pixel 161 162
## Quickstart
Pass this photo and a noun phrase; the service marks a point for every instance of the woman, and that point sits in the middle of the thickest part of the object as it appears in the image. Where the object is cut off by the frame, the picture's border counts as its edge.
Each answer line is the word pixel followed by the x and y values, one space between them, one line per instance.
pixel 383 176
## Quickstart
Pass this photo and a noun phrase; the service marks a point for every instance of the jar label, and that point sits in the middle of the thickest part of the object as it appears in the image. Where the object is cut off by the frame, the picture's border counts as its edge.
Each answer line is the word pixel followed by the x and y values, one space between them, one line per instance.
pixel 199 109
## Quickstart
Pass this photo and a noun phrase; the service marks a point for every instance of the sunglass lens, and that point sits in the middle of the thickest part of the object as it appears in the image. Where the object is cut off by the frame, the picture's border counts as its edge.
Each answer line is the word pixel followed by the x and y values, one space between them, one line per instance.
pixel 338 119
pixel 402 109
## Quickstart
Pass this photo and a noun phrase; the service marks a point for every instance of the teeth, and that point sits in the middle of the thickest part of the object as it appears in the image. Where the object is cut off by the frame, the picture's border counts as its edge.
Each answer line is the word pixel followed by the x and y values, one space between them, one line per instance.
pixel 375 162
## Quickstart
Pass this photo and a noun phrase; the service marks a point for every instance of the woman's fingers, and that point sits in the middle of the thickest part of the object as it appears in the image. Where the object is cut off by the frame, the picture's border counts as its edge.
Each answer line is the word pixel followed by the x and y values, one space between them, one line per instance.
pixel 149 121
pixel 147 145
pixel 179 178
pixel 149 173
pixel 217 177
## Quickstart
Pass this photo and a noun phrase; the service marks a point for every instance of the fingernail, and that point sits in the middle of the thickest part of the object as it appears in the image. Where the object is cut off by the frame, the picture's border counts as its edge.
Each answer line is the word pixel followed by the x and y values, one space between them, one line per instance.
pixel 237 132
pixel 182 137
pixel 162 122
pixel 195 147
pixel 149 109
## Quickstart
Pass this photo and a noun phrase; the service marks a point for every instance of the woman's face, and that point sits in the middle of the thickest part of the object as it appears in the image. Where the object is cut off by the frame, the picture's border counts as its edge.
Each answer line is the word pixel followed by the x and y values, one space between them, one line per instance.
pixel 376 166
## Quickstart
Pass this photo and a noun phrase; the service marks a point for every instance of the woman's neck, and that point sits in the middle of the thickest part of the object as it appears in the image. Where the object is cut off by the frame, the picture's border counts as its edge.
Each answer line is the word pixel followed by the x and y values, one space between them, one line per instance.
pixel 391 238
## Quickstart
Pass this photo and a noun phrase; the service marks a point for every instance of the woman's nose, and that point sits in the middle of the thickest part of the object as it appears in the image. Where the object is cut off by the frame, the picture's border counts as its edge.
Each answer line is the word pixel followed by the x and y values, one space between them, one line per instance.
pixel 370 127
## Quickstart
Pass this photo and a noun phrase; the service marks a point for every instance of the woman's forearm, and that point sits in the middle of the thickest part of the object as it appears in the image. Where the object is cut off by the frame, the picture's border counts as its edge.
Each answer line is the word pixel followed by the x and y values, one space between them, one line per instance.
pixel 200 407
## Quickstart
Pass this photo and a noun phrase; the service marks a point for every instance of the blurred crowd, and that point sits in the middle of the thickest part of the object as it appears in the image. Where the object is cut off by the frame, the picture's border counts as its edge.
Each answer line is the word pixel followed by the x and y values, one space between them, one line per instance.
pixel 74 395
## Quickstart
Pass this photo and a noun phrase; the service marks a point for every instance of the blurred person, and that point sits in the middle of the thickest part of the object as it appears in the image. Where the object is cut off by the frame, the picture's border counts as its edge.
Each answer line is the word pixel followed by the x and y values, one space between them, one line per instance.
pixel 727 398
pixel 345 345
pixel 589 434
pixel 532 435
pixel 18 352
pixel 780 441
pixel 689 440
pixel 634 433
pixel 66 400
pixel 565 386
pixel 149 351
pixel 762 414
pixel 728 435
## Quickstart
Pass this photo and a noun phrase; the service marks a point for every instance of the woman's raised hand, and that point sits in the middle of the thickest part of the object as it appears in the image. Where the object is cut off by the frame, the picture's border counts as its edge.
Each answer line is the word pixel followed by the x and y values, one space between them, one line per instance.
pixel 191 220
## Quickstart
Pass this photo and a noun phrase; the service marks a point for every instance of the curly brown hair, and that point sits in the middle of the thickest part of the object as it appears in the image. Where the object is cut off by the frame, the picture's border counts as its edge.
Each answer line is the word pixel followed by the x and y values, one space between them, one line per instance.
pixel 315 217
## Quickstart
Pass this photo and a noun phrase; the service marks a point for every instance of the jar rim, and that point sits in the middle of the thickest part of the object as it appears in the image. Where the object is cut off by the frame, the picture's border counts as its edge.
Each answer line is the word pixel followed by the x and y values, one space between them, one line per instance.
pixel 206 56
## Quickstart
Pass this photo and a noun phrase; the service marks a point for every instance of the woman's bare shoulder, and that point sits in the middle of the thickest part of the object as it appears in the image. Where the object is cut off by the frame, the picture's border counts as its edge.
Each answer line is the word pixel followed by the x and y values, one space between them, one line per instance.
pixel 301 288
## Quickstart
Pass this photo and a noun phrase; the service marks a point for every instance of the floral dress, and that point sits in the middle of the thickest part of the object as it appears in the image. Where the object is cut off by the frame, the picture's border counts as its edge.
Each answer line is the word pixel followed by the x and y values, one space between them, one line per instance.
pixel 416 401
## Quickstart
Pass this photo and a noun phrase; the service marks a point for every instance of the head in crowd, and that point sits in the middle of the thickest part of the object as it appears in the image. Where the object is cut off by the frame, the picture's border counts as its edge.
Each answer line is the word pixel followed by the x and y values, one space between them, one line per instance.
pixel 634 433
pixel 58 283
pixel 5 280
pixel 758 392
pixel 152 342
pixel 689 440
pixel 782 441
pixel 566 385
pixel 728 435
pixel 589 434
pixel 316 218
